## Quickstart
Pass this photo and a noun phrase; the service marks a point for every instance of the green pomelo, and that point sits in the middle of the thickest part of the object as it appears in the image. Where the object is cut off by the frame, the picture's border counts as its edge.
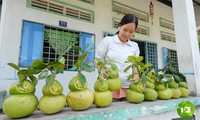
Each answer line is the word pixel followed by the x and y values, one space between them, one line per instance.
pixel 52 89
pixel 18 106
pixel 160 87
pixel 134 97
pixel 165 94
pixel 150 94
pixel 26 87
pixel 103 99
pixel 137 87
pixel 184 92
pixel 113 74
pixel 75 84
pixel 114 84
pixel 176 93
pixel 150 85
pixel 52 104
pixel 80 100
pixel 100 85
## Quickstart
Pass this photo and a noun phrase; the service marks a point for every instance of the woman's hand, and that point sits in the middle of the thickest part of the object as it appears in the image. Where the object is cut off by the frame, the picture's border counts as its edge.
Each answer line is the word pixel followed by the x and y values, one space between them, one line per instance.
pixel 104 74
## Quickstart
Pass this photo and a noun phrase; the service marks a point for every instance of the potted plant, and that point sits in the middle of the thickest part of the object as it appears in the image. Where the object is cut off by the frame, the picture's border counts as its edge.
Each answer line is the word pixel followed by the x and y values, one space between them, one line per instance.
pixel 135 93
pixel 80 97
pixel 53 100
pixel 22 101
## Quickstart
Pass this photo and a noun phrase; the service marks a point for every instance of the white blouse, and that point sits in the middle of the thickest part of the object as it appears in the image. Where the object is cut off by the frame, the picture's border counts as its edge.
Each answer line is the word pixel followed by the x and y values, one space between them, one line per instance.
pixel 112 48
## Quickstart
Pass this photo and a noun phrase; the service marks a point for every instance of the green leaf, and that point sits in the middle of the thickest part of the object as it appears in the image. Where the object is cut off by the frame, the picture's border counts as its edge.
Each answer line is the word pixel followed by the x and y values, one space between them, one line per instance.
pixel 34 80
pixel 92 48
pixel 37 64
pixel 33 71
pixel 55 65
pixel 43 75
pixel 80 60
pixel 178 77
pixel 50 78
pixel 136 81
pixel 143 78
pixel 59 70
pixel 87 67
pixel 76 48
pixel 82 79
pixel 62 60
pixel 141 64
pixel 14 66
pixel 130 76
pixel 132 59
pixel 148 65
pixel 139 59
pixel 127 68
pixel 22 74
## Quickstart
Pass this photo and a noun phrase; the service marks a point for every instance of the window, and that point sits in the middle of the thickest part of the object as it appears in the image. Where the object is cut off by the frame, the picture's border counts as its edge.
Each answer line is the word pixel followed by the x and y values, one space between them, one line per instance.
pixel 151 54
pixel 50 42
pixel 59 42
pixel 31 44
pixel 172 54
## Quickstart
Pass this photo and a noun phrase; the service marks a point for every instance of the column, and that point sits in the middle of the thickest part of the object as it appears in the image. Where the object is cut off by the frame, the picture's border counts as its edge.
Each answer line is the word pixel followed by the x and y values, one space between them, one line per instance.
pixel 187 44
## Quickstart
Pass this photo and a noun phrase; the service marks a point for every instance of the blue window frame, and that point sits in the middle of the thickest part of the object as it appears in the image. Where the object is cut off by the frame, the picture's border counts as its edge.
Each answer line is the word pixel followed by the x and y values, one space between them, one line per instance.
pixel 46 42
pixel 31 43
pixel 87 38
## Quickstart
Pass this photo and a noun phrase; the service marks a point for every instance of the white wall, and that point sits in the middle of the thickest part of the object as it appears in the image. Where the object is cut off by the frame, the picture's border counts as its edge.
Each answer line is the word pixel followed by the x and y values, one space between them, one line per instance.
pixel 16 12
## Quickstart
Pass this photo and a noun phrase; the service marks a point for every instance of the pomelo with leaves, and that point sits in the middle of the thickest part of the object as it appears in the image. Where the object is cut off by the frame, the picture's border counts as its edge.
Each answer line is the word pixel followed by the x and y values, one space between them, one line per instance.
pixel 109 68
pixel 80 97
pixel 174 86
pixel 184 89
pixel 22 102
pixel 138 87
pixel 53 100
pixel 150 94
pixel 102 95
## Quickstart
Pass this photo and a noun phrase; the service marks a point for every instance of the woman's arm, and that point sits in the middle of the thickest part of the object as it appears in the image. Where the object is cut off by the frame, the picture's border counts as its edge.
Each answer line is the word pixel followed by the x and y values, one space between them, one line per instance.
pixel 136 74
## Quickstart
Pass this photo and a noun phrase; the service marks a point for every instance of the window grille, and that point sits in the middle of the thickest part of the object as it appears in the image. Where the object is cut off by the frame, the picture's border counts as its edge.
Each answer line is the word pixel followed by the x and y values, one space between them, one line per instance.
pixel 63 9
pixel 59 42
pixel 151 55
pixel 172 55
pixel 174 59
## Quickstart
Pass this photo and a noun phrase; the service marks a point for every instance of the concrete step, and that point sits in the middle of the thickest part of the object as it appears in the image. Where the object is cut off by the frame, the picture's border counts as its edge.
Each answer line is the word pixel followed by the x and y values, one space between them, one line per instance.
pixel 123 110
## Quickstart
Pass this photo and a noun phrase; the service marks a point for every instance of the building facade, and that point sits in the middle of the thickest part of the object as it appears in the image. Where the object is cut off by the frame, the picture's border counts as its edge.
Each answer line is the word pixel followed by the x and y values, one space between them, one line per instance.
pixel 46 23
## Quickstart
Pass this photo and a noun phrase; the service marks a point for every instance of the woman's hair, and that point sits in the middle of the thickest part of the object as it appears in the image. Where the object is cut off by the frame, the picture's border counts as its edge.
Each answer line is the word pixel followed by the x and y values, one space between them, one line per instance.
pixel 128 18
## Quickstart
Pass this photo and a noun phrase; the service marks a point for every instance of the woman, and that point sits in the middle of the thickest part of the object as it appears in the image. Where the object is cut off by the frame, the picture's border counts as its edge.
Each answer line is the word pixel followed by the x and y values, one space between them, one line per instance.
pixel 118 48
